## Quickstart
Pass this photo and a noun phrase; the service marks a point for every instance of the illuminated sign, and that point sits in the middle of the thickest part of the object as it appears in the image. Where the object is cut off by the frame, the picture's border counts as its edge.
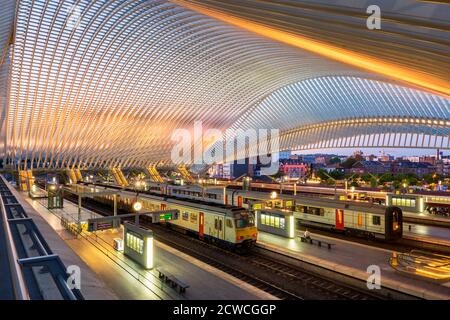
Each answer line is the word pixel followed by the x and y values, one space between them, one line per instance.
pixel 165 216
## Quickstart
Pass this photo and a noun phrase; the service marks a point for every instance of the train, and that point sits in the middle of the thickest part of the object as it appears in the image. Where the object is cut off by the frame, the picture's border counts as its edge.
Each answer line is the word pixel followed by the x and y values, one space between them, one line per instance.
pixel 227 226
pixel 348 217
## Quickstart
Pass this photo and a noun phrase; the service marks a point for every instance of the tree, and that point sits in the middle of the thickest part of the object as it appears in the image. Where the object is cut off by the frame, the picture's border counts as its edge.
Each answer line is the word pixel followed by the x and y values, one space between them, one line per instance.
pixel 348 163
pixel 387 177
pixel 322 174
pixel 373 183
pixel 354 184
pixel 336 174
pixel 366 177
pixel 335 160
pixel 431 178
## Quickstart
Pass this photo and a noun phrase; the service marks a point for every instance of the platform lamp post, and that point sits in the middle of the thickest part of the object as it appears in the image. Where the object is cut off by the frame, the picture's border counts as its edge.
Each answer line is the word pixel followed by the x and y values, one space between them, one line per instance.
pixel 115 211
pixel 346 182
pixel 79 213
pixel 137 206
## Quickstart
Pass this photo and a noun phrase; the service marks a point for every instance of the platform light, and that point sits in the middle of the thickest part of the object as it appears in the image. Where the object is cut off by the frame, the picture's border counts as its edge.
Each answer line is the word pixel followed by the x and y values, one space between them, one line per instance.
pixel 149 253
pixel 273 195
pixel 291 227
pixel 421 204
pixel 352 189
pixel 137 206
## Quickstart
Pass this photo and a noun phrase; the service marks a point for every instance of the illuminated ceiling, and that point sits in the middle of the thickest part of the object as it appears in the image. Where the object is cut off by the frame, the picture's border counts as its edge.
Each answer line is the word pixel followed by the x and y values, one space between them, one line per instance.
pixel 105 83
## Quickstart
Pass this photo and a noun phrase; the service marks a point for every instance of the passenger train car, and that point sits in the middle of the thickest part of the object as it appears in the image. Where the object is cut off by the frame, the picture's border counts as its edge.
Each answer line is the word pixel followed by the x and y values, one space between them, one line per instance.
pixel 374 221
pixel 368 220
pixel 364 219
pixel 226 225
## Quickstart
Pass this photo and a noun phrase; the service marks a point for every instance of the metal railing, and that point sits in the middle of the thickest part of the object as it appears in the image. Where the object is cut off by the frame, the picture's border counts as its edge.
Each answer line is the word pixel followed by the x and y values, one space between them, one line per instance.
pixel 36 272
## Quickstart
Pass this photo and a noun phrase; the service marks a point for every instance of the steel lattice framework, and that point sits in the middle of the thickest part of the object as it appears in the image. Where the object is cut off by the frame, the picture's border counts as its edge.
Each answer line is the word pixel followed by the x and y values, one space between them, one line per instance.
pixel 105 83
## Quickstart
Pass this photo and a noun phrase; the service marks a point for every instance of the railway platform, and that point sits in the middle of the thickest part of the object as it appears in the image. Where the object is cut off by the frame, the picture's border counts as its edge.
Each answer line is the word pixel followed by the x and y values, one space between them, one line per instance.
pixel 427 219
pixel 353 259
pixel 424 233
pixel 128 280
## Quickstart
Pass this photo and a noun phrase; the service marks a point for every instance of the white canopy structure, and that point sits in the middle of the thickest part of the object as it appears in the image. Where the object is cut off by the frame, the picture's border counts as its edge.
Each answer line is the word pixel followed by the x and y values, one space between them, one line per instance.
pixel 104 83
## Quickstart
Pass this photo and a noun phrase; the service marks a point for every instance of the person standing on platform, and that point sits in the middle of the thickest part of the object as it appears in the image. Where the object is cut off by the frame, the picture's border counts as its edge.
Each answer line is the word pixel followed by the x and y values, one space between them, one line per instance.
pixel 307 235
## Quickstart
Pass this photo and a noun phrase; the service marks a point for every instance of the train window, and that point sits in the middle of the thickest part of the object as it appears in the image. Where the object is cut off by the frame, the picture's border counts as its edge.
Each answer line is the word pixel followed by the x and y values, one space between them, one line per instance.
pixel 302 209
pixel 316 211
pixel 216 224
pixel 193 217
pixel 244 219
pixel 289 205
pixel 269 204
pixel 220 225
pixel 185 216
pixel 376 220
pixel 257 206
pixel 229 223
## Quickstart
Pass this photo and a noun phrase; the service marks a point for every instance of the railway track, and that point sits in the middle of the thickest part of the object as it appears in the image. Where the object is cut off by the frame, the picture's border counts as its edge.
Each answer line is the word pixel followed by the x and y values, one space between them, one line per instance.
pixel 281 279
pixel 404 244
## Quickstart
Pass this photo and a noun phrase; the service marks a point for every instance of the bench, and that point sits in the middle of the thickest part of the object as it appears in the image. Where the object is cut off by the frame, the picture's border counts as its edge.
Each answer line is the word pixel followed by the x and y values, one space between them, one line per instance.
pixel 170 279
pixel 318 242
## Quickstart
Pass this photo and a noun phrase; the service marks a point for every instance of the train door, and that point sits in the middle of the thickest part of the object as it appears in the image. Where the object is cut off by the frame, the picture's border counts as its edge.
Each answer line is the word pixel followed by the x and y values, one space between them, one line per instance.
pixel 201 225
pixel 339 219
pixel 218 227
pixel 226 199
pixel 239 201
pixel 163 206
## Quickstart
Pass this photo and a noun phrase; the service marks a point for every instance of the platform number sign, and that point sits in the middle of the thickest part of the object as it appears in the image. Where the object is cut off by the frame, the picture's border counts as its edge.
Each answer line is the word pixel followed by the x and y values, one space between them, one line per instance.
pixel 374 279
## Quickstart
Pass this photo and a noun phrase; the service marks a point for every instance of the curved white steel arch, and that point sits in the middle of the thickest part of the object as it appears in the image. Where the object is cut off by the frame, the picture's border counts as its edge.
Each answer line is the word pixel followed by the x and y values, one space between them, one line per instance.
pixel 110 91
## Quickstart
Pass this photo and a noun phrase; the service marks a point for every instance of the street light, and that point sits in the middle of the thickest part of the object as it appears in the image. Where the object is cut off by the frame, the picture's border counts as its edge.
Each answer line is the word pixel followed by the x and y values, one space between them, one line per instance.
pixel 273 195
pixel 137 206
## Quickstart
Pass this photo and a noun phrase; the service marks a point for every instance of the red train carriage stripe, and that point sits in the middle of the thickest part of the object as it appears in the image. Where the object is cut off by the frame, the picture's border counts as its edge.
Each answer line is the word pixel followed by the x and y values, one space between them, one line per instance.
pixel 201 225
pixel 339 219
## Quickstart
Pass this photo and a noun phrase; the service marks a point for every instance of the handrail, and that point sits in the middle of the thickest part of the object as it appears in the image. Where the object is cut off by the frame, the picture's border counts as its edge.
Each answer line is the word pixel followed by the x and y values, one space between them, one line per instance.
pixel 20 288
pixel 46 257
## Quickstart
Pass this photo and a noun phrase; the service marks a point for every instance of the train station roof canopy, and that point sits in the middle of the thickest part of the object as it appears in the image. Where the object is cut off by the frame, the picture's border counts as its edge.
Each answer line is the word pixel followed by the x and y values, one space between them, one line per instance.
pixel 105 83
